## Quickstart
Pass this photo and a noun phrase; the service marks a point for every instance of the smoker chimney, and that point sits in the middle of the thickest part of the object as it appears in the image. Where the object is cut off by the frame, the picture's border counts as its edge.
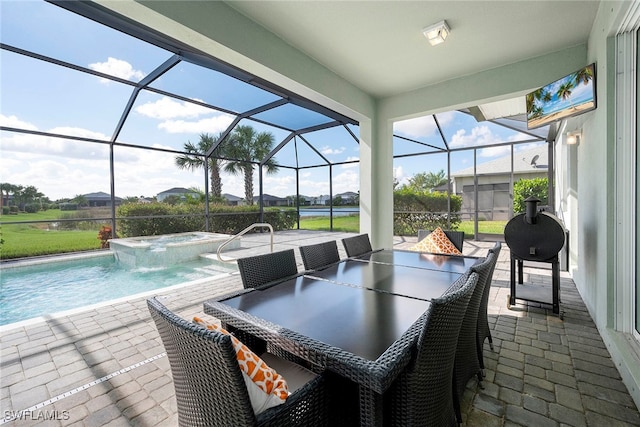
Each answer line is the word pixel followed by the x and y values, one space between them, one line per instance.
pixel 531 210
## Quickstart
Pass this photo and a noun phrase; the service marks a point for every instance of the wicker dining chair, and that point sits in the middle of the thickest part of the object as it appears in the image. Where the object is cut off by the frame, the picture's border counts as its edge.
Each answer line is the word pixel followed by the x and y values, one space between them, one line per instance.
pixel 357 245
pixel 259 270
pixel 209 385
pixel 467 363
pixel 319 255
pixel 422 395
pixel 483 320
pixel 456 237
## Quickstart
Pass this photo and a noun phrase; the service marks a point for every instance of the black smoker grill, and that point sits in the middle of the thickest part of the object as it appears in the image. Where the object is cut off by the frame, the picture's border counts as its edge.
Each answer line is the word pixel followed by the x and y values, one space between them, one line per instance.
pixel 535 236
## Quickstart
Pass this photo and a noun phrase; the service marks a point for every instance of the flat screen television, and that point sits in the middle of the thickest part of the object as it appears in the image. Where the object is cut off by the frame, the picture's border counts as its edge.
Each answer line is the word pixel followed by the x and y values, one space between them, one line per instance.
pixel 569 96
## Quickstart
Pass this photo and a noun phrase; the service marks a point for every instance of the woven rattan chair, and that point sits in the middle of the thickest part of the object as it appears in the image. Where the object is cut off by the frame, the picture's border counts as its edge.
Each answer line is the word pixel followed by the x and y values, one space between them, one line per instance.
pixel 423 393
pixel 263 269
pixel 210 389
pixel 483 320
pixel 467 364
pixel 456 237
pixel 319 255
pixel 357 245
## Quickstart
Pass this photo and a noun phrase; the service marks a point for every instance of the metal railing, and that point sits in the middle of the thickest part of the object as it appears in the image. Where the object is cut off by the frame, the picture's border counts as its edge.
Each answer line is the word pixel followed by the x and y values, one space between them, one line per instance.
pixel 242 233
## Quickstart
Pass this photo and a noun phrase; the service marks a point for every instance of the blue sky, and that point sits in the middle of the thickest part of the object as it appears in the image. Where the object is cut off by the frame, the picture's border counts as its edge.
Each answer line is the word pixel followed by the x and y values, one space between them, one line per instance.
pixel 45 97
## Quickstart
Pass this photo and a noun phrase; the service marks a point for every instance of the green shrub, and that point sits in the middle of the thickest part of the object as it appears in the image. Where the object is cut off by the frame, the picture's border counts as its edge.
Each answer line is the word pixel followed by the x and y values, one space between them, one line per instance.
pixel 31 208
pixel 525 188
pixel 68 206
pixel 5 210
pixel 416 210
pixel 162 218
pixel 13 209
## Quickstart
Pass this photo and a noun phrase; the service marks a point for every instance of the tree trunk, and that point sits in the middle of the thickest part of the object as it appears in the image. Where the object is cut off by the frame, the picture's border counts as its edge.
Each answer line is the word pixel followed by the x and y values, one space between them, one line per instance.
pixel 216 182
pixel 248 183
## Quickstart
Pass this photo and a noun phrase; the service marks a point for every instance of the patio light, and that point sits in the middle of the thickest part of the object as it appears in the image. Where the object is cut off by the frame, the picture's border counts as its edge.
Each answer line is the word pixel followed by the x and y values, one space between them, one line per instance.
pixel 573 138
pixel 437 33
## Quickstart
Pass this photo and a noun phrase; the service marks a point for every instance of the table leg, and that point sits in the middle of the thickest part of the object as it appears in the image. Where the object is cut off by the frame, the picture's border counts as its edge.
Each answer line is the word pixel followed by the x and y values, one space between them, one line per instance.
pixel 555 284
pixel 371 407
pixel 512 297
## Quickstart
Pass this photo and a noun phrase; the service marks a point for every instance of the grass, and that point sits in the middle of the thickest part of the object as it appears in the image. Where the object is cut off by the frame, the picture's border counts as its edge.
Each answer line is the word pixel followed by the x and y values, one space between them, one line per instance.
pixel 25 240
pixel 348 223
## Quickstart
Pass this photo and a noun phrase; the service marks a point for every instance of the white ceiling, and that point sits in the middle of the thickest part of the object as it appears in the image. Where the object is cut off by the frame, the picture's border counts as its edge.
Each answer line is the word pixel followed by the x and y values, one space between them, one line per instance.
pixel 379 47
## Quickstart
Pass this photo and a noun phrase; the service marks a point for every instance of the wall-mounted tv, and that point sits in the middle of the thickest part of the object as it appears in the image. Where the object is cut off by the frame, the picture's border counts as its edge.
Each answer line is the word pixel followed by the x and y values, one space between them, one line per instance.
pixel 569 96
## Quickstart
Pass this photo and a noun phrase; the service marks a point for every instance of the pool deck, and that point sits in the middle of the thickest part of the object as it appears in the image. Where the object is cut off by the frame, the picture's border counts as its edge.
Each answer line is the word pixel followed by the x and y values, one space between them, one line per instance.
pixel 105 366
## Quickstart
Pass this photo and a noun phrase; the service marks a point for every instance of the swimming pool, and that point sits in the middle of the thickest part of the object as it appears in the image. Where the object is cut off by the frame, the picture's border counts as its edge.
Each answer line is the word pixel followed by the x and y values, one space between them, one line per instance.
pixel 46 288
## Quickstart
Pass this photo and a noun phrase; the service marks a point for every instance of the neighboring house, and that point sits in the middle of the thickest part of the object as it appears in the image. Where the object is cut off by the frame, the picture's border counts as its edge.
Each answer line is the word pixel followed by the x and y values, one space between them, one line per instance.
pixel 348 198
pixel 233 200
pixel 101 199
pixel 494 182
pixel 145 200
pixel 269 200
pixel 177 191
pixel 323 199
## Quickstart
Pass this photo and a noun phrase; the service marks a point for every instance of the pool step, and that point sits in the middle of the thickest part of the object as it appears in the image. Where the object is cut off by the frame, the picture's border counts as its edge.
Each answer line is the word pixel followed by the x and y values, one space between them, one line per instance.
pixel 215 269
pixel 213 258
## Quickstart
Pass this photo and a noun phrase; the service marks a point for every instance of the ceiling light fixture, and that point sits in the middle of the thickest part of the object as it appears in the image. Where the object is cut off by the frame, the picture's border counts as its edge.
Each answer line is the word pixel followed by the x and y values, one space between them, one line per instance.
pixel 437 33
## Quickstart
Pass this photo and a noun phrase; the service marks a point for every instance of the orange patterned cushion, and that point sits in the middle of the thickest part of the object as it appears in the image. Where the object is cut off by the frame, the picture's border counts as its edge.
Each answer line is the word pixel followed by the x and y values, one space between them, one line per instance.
pixel 437 243
pixel 266 387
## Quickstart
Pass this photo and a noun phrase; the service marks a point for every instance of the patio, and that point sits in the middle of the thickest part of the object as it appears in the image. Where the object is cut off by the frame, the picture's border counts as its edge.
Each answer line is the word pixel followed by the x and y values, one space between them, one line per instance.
pixel 106 366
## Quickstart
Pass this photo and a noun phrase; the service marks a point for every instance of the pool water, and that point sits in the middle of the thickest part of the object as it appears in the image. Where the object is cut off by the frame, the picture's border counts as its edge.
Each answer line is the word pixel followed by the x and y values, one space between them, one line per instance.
pixel 38 290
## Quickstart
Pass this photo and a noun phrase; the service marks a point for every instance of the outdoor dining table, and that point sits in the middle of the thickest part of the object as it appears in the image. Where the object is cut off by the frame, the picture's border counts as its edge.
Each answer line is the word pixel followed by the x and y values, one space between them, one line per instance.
pixel 401 280
pixel 453 263
pixel 358 319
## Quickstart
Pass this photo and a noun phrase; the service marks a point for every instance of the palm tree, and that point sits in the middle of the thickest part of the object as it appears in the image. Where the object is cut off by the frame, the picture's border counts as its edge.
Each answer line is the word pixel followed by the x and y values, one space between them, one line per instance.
pixel 564 91
pixel 194 160
pixel 245 146
pixel 583 76
pixel 7 188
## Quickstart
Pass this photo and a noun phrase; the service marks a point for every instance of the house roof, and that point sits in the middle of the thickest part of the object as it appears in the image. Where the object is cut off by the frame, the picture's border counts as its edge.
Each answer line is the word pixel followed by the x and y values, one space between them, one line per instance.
pixel 269 197
pixel 523 162
pixel 177 190
pixel 231 197
pixel 100 195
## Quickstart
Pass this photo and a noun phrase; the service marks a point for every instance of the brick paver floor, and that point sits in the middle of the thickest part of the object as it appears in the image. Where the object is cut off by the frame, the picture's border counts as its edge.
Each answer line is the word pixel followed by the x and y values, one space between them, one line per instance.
pixel 106 366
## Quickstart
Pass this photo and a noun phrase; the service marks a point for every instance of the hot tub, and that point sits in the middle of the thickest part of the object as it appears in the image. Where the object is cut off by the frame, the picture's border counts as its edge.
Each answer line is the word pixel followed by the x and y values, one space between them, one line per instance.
pixel 150 251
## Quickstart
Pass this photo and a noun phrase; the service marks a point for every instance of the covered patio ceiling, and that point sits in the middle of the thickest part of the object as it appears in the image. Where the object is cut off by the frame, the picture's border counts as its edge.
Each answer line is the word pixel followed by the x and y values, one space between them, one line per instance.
pixel 246 97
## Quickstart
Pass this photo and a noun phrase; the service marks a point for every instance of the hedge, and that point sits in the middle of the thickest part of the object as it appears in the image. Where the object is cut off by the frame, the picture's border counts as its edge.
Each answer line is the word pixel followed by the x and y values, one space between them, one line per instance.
pixel 167 219
pixel 420 210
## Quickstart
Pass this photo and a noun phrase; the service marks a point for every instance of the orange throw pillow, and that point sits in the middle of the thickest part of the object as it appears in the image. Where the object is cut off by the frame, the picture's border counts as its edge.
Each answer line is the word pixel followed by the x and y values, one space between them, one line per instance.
pixel 266 387
pixel 437 243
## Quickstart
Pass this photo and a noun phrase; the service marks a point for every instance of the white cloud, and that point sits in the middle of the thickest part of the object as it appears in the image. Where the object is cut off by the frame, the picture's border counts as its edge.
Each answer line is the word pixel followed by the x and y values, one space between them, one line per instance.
pixel 167 108
pixel 118 68
pixel 14 122
pixel 480 135
pixel 326 150
pixel 422 126
pixel 211 125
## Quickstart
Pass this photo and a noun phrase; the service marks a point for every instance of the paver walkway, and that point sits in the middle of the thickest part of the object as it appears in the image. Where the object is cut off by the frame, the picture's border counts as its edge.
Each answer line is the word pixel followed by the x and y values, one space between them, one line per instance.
pixel 106 366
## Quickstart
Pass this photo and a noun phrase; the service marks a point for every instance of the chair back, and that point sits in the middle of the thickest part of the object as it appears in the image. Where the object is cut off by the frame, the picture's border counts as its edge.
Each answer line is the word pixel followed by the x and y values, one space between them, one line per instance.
pixel 423 393
pixel 456 237
pixel 319 255
pixel 484 331
pixel 259 270
pixel 209 386
pixel 357 245
pixel 467 363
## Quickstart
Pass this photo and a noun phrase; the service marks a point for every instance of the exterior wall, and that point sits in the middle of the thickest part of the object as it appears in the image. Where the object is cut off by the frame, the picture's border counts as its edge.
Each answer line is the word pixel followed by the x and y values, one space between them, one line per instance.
pixel 590 202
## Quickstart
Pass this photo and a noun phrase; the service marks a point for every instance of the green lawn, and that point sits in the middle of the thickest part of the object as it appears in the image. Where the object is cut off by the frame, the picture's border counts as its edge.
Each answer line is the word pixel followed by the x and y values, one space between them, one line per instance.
pixel 24 240
pixel 350 223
